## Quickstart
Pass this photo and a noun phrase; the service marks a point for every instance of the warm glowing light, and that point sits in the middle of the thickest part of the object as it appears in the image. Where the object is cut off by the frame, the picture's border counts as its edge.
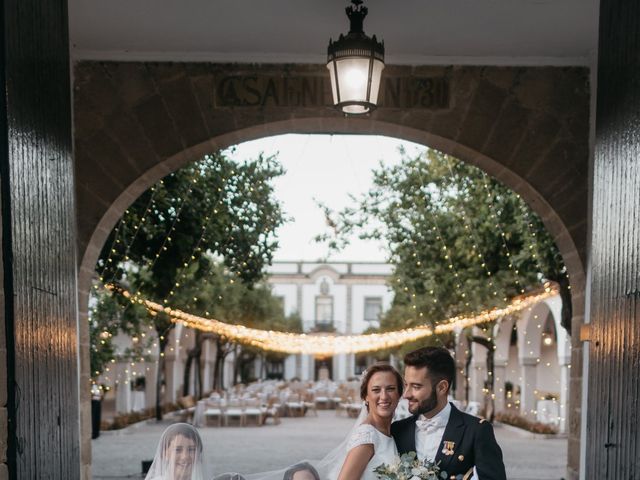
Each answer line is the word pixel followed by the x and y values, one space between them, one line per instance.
pixel 327 345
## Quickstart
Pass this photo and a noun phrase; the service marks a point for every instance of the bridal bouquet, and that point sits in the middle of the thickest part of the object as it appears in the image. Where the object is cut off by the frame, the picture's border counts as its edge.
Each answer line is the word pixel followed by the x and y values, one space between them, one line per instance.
pixel 408 467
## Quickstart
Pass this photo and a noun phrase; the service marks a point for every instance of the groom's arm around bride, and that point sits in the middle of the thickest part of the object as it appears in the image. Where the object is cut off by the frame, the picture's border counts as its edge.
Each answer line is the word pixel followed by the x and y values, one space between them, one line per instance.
pixel 437 430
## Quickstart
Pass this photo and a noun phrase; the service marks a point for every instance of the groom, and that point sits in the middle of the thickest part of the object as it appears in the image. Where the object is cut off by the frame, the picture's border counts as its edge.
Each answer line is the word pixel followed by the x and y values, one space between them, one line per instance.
pixel 437 430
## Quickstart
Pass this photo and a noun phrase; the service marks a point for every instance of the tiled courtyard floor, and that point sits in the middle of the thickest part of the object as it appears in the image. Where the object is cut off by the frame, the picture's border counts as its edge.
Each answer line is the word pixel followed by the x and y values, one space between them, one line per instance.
pixel 256 449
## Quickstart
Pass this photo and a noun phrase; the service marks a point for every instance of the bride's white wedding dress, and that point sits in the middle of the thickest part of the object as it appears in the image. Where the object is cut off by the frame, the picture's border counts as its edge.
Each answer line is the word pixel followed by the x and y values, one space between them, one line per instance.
pixel 384 447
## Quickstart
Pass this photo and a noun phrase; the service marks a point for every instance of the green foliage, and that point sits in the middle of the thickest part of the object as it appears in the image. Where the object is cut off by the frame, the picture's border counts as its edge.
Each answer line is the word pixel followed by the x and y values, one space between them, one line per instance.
pixel 461 241
pixel 215 205
pixel 107 318
pixel 169 242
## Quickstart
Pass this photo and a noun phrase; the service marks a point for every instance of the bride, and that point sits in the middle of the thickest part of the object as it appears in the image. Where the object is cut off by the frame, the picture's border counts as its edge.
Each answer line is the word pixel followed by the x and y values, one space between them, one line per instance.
pixel 370 443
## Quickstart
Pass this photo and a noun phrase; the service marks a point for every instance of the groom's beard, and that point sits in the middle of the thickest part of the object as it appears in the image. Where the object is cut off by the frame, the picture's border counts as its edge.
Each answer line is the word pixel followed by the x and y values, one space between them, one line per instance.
pixel 428 404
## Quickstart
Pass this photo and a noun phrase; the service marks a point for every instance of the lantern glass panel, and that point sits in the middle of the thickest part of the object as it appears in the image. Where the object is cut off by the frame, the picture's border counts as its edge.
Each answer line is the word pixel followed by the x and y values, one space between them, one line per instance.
pixel 353 78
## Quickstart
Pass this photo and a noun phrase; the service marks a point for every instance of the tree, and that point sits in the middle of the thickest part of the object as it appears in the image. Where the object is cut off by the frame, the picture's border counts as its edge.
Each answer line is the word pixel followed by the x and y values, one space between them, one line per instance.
pixel 461 242
pixel 108 318
pixel 225 299
pixel 213 208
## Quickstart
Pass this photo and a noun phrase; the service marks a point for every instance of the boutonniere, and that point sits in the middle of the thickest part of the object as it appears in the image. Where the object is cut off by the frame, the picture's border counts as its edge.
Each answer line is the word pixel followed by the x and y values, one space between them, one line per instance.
pixel 448 447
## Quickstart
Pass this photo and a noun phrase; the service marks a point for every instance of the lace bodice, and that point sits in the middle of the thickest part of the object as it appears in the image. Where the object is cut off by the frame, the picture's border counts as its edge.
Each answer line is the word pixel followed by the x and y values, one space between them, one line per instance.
pixel 384 447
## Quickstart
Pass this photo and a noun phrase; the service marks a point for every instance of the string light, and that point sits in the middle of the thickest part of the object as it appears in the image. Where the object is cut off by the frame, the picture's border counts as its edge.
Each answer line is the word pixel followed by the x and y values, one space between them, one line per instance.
pixel 327 345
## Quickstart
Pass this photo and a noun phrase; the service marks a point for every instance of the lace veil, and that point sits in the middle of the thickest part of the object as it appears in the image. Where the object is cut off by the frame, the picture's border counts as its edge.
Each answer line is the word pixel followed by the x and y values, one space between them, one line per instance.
pixel 178 456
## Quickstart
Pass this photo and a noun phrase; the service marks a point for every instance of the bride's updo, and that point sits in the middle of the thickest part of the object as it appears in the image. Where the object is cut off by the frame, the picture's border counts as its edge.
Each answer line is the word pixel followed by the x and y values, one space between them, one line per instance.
pixel 375 368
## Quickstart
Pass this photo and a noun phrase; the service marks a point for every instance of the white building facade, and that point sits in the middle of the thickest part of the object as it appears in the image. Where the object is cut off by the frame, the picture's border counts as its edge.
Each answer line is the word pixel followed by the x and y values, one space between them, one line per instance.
pixel 340 297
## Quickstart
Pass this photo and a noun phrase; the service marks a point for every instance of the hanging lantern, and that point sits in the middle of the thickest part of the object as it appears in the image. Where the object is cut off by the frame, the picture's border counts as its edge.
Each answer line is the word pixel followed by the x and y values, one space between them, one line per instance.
pixel 355 62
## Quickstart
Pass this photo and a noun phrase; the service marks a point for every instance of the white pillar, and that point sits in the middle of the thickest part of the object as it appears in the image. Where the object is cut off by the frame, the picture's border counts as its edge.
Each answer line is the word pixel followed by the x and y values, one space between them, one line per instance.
pixel 340 367
pixel 150 382
pixel 564 361
pixel 528 387
pixel 208 356
pixel 311 369
pixel 299 361
pixel 478 373
pixel 228 380
pixel 290 367
pixel 351 365
pixel 305 367
pixel 461 380
pixel 123 396
pixel 565 381
pixel 393 361
pixel 173 366
pixel 170 380
pixel 500 373
pixel 258 367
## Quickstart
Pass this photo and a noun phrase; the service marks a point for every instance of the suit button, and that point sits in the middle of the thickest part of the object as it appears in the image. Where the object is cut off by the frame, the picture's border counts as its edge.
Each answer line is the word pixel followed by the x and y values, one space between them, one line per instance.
pixel 461 458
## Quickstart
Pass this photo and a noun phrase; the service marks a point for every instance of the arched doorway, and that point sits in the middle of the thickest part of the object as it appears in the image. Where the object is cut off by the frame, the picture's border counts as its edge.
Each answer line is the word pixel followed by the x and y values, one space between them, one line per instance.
pixel 138 122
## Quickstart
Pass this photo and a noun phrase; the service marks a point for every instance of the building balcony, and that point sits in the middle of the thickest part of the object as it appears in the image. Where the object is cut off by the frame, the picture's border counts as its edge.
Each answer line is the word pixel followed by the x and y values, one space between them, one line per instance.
pixel 324 327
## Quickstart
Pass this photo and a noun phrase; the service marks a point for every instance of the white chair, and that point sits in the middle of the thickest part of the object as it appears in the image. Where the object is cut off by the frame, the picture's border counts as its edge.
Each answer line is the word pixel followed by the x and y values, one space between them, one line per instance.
pixel 294 406
pixel 322 400
pixel 309 403
pixel 353 409
pixel 252 409
pixel 213 411
pixel 234 411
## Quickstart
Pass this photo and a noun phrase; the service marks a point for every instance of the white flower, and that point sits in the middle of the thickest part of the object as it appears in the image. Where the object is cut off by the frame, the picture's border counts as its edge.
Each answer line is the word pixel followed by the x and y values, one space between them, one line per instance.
pixel 419 471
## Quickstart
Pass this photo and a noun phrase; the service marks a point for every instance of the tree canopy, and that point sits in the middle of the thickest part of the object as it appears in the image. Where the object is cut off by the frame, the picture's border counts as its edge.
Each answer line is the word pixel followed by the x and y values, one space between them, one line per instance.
pixel 199 241
pixel 215 205
pixel 461 242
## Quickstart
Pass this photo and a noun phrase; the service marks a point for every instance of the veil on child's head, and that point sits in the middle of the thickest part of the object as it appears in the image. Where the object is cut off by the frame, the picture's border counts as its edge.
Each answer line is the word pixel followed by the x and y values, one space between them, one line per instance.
pixel 178 456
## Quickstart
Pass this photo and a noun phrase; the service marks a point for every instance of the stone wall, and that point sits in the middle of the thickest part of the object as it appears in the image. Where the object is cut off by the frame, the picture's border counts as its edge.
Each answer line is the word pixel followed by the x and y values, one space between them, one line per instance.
pixel 527 126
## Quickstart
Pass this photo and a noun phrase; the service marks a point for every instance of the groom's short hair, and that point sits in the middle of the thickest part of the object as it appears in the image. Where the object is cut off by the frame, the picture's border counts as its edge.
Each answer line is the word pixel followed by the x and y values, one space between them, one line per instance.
pixel 438 361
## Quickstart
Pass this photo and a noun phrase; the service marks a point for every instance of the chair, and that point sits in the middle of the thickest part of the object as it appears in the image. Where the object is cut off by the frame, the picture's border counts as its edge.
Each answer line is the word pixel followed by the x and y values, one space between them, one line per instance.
pixel 294 406
pixel 309 403
pixel 353 409
pixel 322 400
pixel 341 405
pixel 213 411
pixel 187 408
pixel 234 410
pixel 272 410
pixel 252 409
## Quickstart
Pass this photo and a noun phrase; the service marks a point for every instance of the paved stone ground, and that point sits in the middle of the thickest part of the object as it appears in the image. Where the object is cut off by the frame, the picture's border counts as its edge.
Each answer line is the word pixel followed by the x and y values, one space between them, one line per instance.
pixel 253 449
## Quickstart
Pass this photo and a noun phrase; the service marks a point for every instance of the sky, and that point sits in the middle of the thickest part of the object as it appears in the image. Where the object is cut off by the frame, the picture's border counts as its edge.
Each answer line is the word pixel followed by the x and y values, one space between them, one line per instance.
pixel 327 168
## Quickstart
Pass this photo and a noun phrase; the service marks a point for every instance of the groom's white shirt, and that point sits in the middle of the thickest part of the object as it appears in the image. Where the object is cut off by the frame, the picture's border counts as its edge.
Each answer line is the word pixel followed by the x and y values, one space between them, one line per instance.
pixel 429 433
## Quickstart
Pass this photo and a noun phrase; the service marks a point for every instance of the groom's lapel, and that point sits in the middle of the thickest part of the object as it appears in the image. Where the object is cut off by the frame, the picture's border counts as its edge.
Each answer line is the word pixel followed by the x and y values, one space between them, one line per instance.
pixel 451 439
pixel 409 437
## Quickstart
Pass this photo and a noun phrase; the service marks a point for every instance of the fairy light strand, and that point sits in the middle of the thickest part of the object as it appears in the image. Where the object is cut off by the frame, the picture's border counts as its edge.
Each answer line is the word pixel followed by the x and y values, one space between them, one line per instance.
pixel 335 344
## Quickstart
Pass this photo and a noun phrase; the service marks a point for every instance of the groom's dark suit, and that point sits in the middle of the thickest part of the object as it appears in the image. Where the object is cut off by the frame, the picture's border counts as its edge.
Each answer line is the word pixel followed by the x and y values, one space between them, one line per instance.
pixel 473 445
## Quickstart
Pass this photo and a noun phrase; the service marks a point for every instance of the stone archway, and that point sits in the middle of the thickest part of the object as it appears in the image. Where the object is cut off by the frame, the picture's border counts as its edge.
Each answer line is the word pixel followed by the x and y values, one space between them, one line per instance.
pixel 137 122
